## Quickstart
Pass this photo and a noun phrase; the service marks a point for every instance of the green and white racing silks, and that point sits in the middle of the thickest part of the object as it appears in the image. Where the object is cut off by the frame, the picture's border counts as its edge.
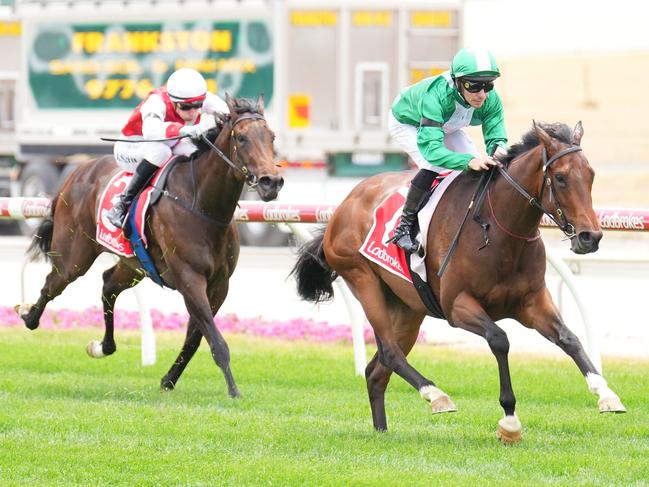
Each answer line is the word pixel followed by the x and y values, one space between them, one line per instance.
pixel 437 99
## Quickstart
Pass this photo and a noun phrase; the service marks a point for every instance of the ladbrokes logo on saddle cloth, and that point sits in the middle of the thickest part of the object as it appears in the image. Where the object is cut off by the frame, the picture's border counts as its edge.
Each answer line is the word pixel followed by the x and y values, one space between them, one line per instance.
pixel 108 234
pixel 385 219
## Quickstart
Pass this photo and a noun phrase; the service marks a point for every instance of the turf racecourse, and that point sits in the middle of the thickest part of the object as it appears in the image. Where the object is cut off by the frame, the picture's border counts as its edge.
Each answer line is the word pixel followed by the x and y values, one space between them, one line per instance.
pixel 304 419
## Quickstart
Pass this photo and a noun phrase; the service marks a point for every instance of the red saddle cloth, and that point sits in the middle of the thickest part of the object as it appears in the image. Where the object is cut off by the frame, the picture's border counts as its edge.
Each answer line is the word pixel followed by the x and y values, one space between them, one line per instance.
pixel 108 234
pixel 384 221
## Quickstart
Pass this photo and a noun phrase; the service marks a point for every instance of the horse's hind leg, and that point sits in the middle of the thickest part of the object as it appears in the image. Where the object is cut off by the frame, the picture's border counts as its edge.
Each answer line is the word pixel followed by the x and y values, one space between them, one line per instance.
pixel 467 313
pixel 406 325
pixel 371 294
pixel 116 279
pixel 541 314
pixel 66 268
pixel 192 341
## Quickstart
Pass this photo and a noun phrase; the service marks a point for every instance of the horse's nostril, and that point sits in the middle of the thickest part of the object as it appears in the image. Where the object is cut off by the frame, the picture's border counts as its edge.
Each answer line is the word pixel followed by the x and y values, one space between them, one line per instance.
pixel 589 238
pixel 271 182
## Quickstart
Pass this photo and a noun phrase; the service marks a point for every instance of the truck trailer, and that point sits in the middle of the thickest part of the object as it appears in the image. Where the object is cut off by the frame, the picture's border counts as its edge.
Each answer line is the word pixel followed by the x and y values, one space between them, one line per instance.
pixel 328 70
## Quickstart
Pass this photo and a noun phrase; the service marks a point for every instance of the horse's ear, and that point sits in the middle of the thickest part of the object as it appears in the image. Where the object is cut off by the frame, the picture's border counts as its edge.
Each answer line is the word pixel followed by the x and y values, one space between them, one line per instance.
pixel 260 103
pixel 577 133
pixel 543 136
pixel 230 101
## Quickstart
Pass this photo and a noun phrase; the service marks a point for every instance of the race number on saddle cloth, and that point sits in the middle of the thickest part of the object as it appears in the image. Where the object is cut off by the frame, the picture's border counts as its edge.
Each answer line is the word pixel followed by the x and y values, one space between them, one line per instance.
pixel 109 235
pixel 384 221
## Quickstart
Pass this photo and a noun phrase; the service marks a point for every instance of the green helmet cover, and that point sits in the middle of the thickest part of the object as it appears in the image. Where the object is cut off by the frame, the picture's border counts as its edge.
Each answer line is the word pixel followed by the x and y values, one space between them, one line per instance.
pixel 474 63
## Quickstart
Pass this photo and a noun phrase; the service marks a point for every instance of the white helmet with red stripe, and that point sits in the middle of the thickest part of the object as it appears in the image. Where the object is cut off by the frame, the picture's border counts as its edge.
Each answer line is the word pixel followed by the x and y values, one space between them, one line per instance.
pixel 186 85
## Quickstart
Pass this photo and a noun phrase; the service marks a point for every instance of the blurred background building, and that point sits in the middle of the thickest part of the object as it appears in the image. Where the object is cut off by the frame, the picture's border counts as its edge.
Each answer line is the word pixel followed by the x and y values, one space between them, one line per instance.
pixel 72 70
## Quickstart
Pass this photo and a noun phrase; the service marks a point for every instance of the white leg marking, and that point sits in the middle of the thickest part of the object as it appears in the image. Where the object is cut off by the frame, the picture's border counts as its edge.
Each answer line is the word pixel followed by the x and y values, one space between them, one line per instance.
pixel 608 400
pixel 431 393
pixel 94 349
pixel 438 399
pixel 510 430
pixel 23 309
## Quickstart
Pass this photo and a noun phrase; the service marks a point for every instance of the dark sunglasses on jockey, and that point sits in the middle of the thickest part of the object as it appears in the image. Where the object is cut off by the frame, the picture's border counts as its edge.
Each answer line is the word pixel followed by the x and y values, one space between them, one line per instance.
pixel 189 106
pixel 475 86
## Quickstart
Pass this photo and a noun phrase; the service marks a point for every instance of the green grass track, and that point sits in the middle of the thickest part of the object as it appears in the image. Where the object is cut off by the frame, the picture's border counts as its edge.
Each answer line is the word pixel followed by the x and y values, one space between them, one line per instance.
pixel 304 418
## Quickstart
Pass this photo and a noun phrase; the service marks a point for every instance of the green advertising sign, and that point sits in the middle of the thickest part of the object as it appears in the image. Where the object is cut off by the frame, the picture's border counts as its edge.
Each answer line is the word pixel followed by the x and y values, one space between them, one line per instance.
pixel 116 65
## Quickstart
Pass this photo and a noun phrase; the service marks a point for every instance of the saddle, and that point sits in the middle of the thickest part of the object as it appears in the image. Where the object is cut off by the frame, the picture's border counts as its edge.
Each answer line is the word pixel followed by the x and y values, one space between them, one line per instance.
pixel 131 242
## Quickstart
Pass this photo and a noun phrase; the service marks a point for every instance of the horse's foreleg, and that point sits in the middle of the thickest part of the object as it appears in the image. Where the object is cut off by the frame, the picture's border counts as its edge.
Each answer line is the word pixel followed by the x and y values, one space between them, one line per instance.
pixel 116 279
pixel 468 314
pixel 192 341
pixel 541 314
pixel 201 311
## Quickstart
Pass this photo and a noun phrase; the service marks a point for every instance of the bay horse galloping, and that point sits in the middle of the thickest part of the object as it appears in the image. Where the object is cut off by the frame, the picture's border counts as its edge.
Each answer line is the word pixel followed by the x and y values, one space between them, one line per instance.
pixel 192 238
pixel 546 172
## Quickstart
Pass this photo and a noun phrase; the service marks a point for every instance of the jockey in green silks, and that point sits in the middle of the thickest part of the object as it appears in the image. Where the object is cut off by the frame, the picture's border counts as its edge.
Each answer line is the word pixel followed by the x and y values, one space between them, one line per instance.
pixel 427 119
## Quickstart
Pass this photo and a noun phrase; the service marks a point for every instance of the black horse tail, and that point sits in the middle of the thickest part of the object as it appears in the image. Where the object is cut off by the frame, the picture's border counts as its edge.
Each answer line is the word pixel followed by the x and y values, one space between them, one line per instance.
pixel 312 273
pixel 41 245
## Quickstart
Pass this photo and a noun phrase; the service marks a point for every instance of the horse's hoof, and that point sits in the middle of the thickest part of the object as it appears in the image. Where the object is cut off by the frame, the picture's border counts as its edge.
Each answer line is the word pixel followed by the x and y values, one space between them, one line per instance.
pixel 166 384
pixel 23 311
pixel 510 430
pixel 438 399
pixel 611 404
pixel 94 349
pixel 443 404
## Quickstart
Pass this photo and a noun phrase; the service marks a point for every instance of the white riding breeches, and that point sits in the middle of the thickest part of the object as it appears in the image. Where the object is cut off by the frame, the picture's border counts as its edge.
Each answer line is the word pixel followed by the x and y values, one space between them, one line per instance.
pixel 129 154
pixel 406 137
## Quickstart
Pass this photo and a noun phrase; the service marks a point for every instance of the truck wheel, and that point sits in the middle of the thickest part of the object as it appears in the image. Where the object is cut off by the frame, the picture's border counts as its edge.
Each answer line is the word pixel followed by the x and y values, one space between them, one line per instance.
pixel 37 180
pixel 260 234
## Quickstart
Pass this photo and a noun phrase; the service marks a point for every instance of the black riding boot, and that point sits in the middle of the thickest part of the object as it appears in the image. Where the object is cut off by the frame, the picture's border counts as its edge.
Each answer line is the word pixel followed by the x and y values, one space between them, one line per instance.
pixel 418 189
pixel 143 172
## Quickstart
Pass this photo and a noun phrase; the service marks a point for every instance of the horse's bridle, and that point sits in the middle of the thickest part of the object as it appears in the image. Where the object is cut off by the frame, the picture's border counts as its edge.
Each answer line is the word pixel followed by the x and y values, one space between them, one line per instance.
pixel 251 179
pixel 566 227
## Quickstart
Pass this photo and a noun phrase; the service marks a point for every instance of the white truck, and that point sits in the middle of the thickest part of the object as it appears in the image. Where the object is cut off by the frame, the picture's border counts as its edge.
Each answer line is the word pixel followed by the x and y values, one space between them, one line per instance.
pixel 329 70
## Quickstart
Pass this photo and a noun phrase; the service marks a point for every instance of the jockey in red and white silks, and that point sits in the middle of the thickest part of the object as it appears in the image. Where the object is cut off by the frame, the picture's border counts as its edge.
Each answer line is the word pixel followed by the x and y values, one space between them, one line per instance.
pixel 156 118
pixel 182 107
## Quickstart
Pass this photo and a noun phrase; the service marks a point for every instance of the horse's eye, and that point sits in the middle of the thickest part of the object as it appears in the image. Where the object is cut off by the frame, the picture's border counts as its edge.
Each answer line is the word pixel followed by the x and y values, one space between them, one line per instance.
pixel 561 180
pixel 242 139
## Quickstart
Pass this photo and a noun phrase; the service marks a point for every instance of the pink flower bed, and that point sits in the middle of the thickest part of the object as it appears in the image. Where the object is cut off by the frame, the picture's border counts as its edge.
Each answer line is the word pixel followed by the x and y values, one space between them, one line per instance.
pixel 295 329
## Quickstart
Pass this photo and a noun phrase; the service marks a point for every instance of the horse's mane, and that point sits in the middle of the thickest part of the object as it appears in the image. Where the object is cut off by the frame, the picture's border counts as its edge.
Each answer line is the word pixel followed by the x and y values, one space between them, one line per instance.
pixel 240 106
pixel 559 131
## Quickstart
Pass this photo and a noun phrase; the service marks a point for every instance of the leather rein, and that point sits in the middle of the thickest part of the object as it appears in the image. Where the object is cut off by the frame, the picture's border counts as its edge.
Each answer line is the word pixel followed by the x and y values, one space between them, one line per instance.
pixel 483 189
pixel 251 179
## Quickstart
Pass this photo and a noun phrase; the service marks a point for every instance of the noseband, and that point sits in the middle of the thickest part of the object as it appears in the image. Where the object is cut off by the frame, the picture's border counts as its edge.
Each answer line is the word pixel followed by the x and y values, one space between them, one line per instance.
pixel 251 179
pixel 566 227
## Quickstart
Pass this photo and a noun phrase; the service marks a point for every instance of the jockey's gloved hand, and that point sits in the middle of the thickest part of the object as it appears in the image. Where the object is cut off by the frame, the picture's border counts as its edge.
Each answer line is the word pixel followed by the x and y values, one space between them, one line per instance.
pixel 195 131
pixel 192 131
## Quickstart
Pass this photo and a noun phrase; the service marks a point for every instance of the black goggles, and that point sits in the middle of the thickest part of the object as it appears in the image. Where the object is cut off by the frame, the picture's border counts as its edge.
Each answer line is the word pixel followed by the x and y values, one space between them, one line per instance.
pixel 189 106
pixel 477 86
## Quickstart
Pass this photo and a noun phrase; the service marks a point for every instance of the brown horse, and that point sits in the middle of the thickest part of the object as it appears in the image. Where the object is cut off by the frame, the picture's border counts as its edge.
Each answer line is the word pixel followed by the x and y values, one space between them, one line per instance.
pixel 505 279
pixel 192 239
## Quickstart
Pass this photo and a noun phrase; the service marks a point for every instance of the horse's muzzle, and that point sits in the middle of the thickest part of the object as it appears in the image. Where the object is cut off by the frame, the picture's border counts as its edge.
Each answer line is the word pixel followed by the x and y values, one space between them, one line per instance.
pixel 586 242
pixel 268 187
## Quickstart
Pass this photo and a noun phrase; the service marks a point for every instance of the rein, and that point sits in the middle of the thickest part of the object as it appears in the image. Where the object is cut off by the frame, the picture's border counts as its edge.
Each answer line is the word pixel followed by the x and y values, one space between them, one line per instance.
pixel 241 168
pixel 483 187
